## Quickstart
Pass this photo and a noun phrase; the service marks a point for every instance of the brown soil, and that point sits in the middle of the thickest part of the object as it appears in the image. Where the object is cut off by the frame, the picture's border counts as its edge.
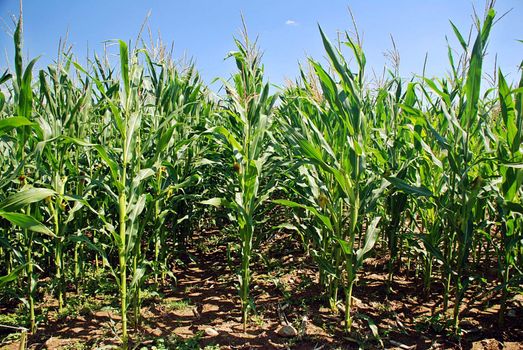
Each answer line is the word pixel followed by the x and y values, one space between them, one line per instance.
pixel 205 297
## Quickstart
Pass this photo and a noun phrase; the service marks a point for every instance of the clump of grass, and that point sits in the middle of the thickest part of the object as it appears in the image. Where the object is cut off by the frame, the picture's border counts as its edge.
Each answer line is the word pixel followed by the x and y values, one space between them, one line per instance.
pixel 178 343
pixel 14 319
pixel 80 306
pixel 177 305
pixel 76 346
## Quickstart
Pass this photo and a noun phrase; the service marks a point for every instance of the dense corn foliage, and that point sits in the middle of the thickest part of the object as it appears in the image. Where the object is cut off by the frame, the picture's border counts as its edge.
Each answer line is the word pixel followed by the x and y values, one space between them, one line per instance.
pixel 112 169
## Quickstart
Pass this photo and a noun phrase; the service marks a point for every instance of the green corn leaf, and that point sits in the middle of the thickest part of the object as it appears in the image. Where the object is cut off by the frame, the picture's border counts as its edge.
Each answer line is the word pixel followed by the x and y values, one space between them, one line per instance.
pixel 462 41
pixel 487 26
pixel 334 57
pixel 6 76
pixel 26 222
pixel 519 108
pixel 371 235
pixel 25 99
pixel 231 139
pixel 124 66
pixel 473 83
pixel 326 221
pixel 14 122
pixel 23 198
pixel 345 246
pixel 325 265
pixel 402 185
pixel 13 275
pixel 215 202
pixel 113 166
pixel 142 175
pixel 138 276
pixel 130 136
pixel 135 209
pixel 434 251
pixel 76 141
pixel 373 328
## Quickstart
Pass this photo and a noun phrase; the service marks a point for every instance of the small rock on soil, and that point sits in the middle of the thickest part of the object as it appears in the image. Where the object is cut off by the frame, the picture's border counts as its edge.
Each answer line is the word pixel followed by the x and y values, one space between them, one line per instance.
pixel 211 332
pixel 287 331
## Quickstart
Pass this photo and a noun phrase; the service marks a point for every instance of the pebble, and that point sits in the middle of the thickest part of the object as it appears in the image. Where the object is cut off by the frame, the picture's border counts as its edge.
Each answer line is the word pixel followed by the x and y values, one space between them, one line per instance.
pixel 211 332
pixel 287 331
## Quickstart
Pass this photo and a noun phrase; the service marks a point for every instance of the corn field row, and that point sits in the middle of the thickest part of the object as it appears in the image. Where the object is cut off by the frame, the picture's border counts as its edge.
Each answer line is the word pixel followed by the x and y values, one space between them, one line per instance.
pixel 112 167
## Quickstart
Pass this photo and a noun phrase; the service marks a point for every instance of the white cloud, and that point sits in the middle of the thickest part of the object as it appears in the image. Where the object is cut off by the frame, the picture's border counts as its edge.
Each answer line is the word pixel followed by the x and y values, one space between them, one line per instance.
pixel 291 22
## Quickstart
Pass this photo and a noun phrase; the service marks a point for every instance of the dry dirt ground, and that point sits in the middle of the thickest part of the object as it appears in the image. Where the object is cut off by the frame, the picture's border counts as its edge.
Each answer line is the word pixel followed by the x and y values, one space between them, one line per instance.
pixel 202 310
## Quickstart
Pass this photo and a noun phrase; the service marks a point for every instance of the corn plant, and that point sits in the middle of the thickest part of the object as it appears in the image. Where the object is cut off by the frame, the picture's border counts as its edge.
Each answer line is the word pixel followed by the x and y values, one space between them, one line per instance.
pixel 510 209
pixel 62 121
pixel 23 101
pixel 126 176
pixel 396 154
pixel 460 143
pixel 333 140
pixel 12 209
pixel 249 110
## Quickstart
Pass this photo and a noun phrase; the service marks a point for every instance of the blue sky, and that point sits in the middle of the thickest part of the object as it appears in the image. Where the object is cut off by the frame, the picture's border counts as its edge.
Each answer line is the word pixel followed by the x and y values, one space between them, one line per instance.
pixel 287 30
